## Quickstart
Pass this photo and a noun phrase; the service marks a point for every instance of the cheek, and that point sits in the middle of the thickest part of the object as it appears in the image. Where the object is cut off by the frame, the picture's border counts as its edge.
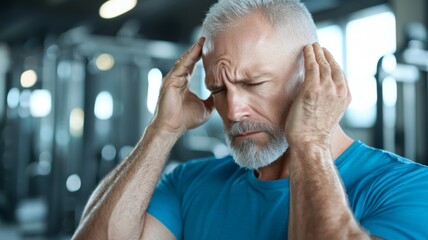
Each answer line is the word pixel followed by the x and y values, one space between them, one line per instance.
pixel 278 103
pixel 270 105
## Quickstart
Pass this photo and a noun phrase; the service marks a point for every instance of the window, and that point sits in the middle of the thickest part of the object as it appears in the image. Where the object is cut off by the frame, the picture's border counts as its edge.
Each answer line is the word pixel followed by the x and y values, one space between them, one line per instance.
pixel 331 37
pixel 357 45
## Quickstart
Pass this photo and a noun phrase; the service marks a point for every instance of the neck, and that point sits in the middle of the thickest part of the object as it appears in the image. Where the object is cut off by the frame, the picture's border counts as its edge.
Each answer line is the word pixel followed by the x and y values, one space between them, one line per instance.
pixel 280 168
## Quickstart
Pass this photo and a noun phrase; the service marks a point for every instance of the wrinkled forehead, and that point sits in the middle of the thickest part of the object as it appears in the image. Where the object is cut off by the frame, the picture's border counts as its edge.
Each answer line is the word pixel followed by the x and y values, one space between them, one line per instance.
pixel 247 54
pixel 252 41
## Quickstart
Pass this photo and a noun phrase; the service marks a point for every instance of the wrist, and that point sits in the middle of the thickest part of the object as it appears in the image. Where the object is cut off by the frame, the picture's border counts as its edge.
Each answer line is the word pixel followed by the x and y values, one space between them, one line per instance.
pixel 163 132
pixel 310 143
pixel 309 148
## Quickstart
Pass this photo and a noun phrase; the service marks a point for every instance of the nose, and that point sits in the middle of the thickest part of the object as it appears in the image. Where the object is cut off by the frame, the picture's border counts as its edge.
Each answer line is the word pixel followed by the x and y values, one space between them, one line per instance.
pixel 237 106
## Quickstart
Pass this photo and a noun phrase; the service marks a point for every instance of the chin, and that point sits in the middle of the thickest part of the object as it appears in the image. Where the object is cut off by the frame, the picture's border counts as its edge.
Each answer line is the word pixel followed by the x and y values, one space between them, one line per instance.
pixel 257 150
pixel 252 165
pixel 252 156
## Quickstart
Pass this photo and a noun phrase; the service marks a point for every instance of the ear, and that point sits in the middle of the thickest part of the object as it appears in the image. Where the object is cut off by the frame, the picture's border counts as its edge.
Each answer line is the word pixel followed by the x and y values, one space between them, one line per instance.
pixel 208 46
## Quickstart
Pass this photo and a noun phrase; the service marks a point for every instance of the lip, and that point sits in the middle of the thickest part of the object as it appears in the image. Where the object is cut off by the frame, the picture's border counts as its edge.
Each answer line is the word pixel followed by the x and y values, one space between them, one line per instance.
pixel 247 135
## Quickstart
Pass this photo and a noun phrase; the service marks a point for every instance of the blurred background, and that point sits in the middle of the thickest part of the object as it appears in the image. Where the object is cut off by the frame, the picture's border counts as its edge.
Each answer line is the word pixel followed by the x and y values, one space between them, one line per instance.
pixel 79 82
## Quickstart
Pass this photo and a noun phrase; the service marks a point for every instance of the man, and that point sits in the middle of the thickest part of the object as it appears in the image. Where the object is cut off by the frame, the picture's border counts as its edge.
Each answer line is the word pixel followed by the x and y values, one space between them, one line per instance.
pixel 294 173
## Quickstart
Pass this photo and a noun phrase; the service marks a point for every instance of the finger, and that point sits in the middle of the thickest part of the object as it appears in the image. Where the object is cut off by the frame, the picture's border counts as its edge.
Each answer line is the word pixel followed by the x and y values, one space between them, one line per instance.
pixel 311 65
pixel 336 71
pixel 324 66
pixel 337 74
pixel 185 64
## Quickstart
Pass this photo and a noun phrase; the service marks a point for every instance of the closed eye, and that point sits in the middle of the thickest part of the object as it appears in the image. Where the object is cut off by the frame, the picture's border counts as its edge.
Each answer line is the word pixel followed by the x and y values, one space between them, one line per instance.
pixel 252 84
pixel 243 84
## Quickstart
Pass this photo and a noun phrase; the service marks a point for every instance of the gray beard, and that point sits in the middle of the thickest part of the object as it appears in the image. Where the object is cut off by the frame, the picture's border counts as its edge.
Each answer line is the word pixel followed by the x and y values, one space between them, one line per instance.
pixel 250 155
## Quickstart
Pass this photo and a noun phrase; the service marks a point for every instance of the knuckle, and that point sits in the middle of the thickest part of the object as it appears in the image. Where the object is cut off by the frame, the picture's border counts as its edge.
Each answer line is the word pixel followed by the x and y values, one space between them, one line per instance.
pixel 312 67
pixel 312 94
pixel 339 76
pixel 342 92
pixel 325 67
pixel 336 69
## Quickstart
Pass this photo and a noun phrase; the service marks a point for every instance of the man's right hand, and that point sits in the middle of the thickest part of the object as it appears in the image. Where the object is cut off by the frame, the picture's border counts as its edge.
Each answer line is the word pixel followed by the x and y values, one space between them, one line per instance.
pixel 178 108
pixel 117 208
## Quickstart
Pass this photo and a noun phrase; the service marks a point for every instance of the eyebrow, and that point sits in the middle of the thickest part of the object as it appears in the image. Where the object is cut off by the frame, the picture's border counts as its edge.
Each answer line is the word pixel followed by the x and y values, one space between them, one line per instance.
pixel 256 77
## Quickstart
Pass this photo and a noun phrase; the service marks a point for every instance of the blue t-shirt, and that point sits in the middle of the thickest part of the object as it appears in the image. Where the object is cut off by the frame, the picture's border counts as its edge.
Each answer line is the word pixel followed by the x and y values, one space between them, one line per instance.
pixel 216 199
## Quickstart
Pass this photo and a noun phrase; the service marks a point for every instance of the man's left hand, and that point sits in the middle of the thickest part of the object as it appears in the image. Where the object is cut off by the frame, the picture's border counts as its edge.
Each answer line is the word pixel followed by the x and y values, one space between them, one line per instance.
pixel 321 102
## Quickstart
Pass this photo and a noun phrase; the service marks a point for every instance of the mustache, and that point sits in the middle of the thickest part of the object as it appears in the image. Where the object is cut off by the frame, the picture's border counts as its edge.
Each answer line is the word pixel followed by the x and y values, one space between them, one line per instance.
pixel 239 128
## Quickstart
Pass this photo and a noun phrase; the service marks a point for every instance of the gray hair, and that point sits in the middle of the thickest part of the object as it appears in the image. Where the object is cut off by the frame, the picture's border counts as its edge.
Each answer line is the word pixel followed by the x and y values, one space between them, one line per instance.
pixel 288 17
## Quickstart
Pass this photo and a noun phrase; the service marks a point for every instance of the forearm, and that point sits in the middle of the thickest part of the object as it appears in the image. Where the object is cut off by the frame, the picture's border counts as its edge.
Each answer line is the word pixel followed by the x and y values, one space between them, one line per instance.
pixel 318 204
pixel 116 209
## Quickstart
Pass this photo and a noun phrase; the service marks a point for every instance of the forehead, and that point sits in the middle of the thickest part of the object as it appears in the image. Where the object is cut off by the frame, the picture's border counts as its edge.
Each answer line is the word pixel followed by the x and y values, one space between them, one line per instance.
pixel 250 46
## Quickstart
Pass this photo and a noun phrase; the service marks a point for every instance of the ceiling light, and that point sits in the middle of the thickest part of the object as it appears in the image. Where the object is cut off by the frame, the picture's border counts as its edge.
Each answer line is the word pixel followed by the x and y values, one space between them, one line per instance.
pixel 77 121
pixel 104 62
pixel 28 78
pixel 13 98
pixel 114 8
pixel 40 103
pixel 103 109
pixel 73 183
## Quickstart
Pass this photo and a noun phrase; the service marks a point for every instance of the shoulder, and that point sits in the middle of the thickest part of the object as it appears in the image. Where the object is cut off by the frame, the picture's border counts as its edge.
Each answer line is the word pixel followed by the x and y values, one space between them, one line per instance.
pixel 379 174
pixel 391 191
pixel 387 176
pixel 402 176
pixel 376 162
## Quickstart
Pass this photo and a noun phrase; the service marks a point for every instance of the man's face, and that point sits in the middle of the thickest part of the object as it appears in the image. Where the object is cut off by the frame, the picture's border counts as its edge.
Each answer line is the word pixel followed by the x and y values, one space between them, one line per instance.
pixel 253 79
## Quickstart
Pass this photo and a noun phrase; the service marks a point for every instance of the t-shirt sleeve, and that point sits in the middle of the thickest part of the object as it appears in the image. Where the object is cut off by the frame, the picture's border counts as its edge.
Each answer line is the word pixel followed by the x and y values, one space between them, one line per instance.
pixel 399 208
pixel 165 203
